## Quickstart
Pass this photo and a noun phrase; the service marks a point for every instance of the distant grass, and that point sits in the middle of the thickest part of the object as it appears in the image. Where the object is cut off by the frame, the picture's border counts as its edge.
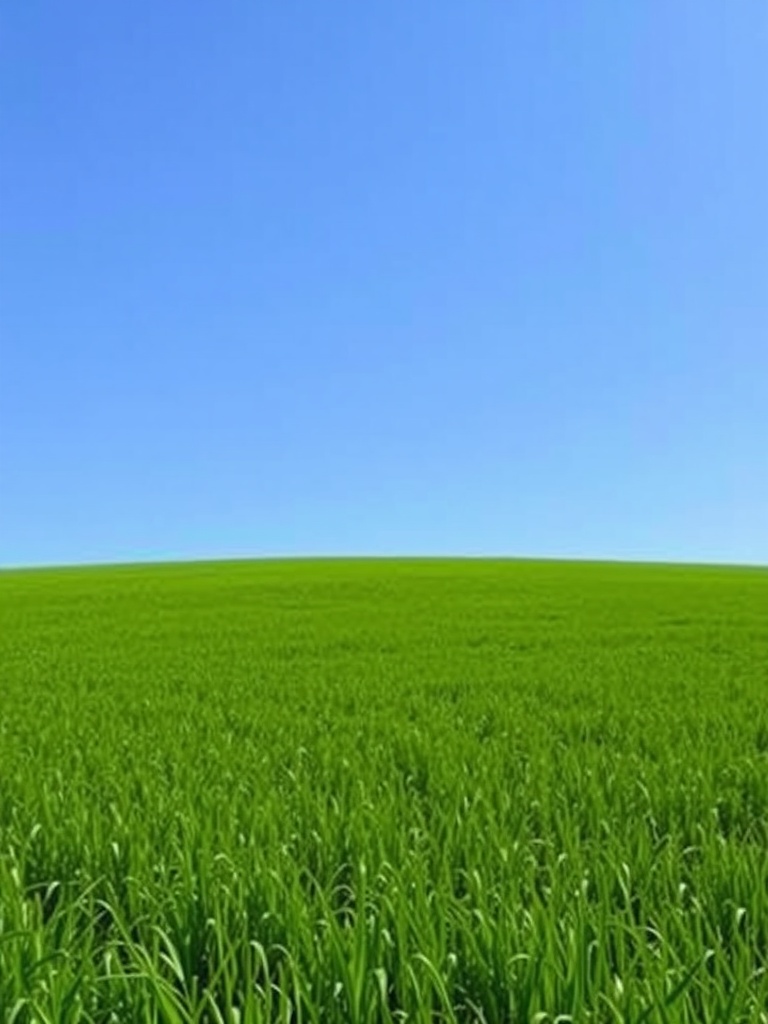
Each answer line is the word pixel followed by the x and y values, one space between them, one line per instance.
pixel 384 791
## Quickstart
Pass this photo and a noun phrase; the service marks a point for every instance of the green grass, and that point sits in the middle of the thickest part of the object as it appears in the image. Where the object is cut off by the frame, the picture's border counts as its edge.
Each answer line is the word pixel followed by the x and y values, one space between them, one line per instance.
pixel 384 791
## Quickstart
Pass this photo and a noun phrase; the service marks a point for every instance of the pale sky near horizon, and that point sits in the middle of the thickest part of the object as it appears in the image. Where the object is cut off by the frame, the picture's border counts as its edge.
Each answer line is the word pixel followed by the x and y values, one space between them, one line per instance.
pixel 383 278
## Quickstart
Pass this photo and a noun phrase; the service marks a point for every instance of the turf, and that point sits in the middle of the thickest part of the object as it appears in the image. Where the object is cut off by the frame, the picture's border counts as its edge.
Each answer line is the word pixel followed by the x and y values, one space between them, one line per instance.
pixel 383 791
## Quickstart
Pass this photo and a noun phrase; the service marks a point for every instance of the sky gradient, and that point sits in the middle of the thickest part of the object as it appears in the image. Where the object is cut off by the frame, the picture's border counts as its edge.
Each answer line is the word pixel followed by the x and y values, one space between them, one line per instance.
pixel 383 278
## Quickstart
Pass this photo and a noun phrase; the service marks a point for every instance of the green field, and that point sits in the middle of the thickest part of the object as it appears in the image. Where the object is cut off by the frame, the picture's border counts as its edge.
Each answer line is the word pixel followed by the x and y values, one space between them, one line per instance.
pixel 384 791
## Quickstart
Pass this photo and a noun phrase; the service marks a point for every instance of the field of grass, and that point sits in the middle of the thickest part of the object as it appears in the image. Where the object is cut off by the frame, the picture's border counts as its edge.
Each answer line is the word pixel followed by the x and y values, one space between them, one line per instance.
pixel 383 792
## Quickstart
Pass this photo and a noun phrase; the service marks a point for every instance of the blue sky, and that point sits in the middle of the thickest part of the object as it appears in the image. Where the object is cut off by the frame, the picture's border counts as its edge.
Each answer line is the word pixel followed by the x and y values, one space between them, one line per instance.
pixel 383 278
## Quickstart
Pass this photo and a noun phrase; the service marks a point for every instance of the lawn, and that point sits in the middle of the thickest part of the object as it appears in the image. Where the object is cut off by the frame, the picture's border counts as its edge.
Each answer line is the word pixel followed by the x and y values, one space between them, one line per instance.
pixel 384 791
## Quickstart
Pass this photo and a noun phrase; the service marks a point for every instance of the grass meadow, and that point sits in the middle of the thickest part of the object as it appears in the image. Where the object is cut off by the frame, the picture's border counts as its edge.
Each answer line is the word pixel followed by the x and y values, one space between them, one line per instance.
pixel 384 791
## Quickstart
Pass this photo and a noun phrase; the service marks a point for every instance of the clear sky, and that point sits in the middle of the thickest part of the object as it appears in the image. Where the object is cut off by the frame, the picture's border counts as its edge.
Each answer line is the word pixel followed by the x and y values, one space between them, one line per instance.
pixel 386 277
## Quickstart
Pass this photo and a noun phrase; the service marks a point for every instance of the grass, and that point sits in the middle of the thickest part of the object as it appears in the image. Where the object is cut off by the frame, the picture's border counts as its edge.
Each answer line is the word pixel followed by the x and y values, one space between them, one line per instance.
pixel 384 791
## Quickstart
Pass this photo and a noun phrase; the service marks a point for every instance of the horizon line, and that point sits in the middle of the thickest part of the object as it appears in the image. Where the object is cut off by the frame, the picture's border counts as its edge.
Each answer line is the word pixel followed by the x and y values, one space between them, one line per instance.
pixel 161 562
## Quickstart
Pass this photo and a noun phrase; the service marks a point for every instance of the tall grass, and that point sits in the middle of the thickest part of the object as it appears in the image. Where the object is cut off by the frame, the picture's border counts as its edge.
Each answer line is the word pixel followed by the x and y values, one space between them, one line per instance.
pixel 379 792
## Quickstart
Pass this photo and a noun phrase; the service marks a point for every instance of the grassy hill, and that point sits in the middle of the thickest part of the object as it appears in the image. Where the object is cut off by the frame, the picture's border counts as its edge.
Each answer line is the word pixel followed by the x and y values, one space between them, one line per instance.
pixel 358 791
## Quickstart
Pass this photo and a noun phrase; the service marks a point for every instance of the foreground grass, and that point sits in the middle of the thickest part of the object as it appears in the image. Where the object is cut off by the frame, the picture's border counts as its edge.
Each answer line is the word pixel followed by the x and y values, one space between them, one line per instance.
pixel 384 791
